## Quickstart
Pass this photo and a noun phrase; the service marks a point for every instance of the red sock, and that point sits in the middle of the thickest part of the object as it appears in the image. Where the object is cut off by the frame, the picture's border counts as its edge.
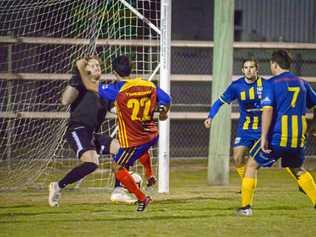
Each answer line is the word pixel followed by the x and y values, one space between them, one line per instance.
pixel 127 180
pixel 146 162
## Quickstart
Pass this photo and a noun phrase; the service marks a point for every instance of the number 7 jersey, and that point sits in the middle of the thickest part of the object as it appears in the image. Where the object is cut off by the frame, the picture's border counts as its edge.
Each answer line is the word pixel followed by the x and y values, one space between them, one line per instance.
pixel 289 96
pixel 135 102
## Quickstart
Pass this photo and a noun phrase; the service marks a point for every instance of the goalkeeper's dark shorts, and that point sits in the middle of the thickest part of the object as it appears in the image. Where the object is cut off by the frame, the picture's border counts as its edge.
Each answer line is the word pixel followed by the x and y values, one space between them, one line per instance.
pixel 82 139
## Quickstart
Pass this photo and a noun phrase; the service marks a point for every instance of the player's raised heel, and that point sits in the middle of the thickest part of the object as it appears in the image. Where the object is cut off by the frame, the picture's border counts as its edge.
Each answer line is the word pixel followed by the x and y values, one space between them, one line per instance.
pixel 245 211
pixel 143 204
pixel 54 194
pixel 120 194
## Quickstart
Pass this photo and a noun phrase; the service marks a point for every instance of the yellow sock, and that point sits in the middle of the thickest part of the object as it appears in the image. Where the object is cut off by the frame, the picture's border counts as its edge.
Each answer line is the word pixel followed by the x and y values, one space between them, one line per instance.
pixel 306 182
pixel 291 173
pixel 241 171
pixel 247 191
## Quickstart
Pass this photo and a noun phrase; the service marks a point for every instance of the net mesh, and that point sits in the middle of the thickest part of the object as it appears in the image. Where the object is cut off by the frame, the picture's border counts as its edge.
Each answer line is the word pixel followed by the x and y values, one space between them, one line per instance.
pixel 39 42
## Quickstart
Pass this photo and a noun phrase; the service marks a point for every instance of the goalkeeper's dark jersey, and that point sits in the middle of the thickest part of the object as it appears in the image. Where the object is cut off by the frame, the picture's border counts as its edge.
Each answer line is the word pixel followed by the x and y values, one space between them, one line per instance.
pixel 289 96
pixel 87 110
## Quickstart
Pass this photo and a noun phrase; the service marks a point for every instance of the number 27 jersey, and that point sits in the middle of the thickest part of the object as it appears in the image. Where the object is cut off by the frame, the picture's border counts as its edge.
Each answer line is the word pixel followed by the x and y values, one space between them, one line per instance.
pixel 135 102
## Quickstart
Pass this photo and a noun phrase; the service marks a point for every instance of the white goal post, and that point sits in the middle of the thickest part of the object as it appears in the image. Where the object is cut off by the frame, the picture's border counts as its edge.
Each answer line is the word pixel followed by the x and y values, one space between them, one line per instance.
pixel 164 65
pixel 39 41
pixel 164 126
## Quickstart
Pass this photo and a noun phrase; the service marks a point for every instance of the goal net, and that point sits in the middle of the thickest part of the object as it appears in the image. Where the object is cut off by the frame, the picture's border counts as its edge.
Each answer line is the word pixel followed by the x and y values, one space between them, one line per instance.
pixel 39 43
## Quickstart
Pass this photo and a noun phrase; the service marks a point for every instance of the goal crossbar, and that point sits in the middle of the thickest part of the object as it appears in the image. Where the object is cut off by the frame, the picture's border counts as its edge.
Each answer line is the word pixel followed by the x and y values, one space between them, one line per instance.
pixel 151 43
pixel 65 115
pixel 153 76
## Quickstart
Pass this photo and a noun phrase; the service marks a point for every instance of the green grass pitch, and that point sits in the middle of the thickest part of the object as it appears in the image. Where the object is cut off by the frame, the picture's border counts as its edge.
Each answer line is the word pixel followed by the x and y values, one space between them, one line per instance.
pixel 191 209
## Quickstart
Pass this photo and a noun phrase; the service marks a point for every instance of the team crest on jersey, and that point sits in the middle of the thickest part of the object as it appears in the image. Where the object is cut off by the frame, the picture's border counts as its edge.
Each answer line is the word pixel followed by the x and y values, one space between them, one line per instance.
pixel 237 140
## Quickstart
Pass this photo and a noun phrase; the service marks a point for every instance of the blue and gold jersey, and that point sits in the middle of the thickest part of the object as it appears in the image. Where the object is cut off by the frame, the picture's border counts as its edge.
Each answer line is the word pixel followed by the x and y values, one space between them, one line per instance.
pixel 289 97
pixel 249 96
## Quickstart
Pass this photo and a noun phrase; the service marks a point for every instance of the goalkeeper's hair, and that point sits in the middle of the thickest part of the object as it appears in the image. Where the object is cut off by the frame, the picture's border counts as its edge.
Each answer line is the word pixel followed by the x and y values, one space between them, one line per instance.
pixel 250 59
pixel 87 58
pixel 122 65
pixel 95 57
pixel 282 58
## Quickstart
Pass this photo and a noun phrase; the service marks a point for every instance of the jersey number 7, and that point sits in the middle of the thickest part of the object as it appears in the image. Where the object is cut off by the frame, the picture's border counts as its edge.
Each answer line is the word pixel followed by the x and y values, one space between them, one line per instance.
pixel 296 91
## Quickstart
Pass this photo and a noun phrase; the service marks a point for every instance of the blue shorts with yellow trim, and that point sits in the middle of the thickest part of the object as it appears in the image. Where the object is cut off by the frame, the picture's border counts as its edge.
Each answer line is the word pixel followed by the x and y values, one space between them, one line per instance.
pixel 290 157
pixel 127 156
pixel 247 140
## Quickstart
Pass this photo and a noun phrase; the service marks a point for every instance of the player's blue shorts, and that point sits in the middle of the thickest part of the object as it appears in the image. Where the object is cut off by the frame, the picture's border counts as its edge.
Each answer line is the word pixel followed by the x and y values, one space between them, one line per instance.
pixel 290 157
pixel 127 156
pixel 246 139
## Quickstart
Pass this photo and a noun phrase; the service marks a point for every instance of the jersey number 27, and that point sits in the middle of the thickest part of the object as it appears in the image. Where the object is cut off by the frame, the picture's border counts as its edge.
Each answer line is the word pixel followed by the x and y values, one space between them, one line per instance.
pixel 140 108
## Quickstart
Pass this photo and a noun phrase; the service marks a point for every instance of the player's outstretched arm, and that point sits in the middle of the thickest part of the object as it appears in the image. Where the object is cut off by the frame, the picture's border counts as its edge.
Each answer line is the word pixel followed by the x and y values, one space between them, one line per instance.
pixel 90 85
pixel 213 111
pixel 163 112
pixel 72 91
pixel 69 95
pixel 164 101
pixel 207 123
pixel 266 124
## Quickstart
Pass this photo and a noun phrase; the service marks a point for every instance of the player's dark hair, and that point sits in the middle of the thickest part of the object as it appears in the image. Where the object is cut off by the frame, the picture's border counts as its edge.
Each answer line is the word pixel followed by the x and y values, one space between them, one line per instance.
pixel 122 66
pixel 251 59
pixel 282 58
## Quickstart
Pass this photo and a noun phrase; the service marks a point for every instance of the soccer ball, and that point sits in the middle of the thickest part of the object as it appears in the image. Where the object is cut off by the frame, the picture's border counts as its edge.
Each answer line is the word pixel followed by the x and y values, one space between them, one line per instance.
pixel 137 178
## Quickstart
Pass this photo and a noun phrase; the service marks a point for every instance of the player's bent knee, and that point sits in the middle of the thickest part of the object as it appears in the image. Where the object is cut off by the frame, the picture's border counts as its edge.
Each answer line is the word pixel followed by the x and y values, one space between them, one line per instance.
pixel 90 156
pixel 240 156
pixel 114 146
pixel 252 164
pixel 239 160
